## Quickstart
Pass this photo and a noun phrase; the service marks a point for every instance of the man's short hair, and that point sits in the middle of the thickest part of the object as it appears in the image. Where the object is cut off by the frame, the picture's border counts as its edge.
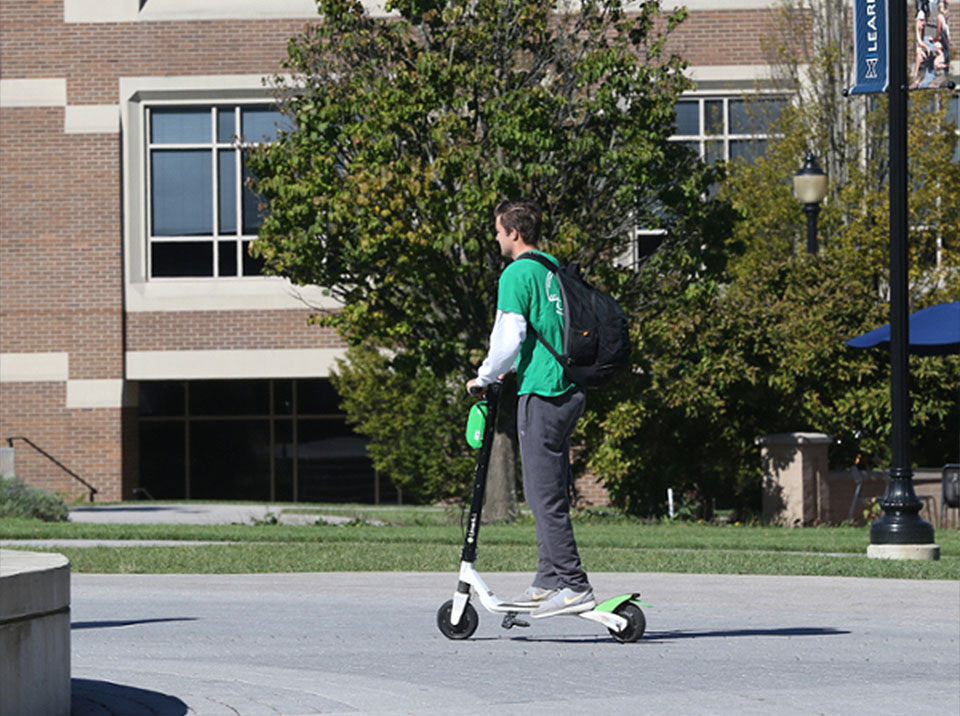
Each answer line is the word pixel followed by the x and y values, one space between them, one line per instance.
pixel 522 215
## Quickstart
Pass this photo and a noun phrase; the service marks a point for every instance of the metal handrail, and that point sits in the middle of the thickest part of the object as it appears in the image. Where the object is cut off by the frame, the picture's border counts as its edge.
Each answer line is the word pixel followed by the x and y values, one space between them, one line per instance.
pixel 51 458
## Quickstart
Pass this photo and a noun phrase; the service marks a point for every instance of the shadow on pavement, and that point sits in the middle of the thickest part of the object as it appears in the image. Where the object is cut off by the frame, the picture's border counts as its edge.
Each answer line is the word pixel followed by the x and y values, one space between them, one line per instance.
pixel 108 509
pixel 787 631
pixel 672 635
pixel 127 622
pixel 93 698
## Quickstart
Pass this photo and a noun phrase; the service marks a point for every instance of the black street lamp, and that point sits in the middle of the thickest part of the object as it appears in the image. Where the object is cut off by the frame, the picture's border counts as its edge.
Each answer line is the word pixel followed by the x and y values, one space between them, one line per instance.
pixel 810 188
pixel 900 532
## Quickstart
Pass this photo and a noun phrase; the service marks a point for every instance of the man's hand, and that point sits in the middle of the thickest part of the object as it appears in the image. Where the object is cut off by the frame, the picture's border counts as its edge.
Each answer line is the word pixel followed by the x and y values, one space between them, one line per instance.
pixel 474 388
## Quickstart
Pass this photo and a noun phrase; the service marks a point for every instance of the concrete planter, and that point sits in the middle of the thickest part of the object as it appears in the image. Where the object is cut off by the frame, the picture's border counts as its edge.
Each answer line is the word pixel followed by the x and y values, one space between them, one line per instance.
pixel 34 634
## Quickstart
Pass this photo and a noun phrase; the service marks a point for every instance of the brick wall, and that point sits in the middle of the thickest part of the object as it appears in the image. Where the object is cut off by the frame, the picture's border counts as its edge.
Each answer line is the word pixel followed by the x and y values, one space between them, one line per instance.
pixel 227 330
pixel 591 493
pixel 88 441
pixel 723 37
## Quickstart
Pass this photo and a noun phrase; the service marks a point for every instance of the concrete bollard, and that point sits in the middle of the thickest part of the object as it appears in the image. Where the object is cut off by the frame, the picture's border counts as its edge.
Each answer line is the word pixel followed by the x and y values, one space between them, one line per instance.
pixel 34 634
pixel 793 465
pixel 8 467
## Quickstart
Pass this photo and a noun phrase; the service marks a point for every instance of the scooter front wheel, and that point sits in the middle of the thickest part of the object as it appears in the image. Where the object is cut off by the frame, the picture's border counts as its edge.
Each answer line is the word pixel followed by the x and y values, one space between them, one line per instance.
pixel 636 623
pixel 462 630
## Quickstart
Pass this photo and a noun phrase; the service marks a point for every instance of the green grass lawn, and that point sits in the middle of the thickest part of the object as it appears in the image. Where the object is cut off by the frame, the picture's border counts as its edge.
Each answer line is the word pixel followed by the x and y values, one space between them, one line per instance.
pixel 429 539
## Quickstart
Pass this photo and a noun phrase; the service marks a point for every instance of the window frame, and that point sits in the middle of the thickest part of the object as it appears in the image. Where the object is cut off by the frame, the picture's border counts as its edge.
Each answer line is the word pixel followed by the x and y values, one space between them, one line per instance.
pixel 237 145
pixel 726 136
pixel 142 294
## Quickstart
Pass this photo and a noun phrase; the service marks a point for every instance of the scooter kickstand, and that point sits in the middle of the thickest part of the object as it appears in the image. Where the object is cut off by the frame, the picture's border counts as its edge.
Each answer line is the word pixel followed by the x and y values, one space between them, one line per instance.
pixel 510 621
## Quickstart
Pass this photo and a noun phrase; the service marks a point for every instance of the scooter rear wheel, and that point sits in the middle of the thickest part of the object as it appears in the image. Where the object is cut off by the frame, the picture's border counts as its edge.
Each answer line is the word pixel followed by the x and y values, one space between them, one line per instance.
pixel 464 629
pixel 636 623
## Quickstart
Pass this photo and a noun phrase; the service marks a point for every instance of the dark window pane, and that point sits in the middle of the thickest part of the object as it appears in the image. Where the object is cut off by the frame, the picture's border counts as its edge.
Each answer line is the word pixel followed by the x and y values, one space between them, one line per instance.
pixel 230 459
pixel 714 152
pixel 283 397
pixel 755 116
pixel 713 116
pixel 161 398
pixel 162 463
pixel 332 463
pixel 229 397
pixel 688 117
pixel 181 192
pixel 181 258
pixel 317 397
pixel 180 125
pixel 227 258
pixel 747 149
pixel 251 206
pixel 259 124
pixel 283 460
pixel 647 244
pixel 252 265
pixel 227 191
pixel 693 147
pixel 226 124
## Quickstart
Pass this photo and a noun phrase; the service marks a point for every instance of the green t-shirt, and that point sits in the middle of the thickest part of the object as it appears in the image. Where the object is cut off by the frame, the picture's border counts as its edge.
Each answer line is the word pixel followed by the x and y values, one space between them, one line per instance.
pixel 531 290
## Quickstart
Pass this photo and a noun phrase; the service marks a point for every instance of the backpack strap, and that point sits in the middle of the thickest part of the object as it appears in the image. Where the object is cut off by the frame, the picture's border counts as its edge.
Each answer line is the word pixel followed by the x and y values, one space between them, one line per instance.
pixel 550 266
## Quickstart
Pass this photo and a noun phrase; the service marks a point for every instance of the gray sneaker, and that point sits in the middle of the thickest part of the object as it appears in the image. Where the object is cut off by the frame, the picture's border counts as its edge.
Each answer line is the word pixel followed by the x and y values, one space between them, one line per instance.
pixel 566 601
pixel 533 597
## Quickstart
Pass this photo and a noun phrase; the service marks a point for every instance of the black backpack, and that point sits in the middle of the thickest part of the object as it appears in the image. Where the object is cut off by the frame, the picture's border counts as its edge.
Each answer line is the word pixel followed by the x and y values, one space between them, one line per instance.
pixel 596 334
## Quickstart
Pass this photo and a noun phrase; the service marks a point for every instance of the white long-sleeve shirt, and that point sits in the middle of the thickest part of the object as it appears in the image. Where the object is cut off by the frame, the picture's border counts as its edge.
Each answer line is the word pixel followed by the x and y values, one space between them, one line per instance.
pixel 509 330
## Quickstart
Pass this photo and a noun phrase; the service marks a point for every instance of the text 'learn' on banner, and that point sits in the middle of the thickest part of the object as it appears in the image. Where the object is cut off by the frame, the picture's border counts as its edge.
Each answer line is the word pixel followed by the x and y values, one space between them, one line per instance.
pixel 870 46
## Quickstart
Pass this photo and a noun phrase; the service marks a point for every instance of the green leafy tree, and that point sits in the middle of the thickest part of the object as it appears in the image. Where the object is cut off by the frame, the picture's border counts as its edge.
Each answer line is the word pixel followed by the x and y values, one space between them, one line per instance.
pixel 407 133
pixel 760 350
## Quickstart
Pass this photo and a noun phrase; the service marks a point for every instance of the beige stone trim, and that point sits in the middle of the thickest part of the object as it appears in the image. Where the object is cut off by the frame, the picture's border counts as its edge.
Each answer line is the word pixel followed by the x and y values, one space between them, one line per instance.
pixel 695 5
pixel 34 367
pixel 199 365
pixel 92 119
pixel 99 11
pixel 100 393
pixel 34 92
pixel 728 73
pixel 224 294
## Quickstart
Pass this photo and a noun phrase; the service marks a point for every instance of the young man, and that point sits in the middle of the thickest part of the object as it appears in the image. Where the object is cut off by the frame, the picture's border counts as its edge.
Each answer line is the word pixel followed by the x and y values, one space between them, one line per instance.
pixel 548 408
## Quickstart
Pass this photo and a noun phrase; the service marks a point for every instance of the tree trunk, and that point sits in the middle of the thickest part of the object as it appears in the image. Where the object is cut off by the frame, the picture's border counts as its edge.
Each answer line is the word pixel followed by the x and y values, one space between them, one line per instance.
pixel 500 501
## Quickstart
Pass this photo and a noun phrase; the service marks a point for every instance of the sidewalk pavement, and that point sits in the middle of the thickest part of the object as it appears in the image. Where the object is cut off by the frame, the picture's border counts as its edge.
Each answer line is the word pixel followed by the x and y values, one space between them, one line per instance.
pixel 367 643
pixel 189 513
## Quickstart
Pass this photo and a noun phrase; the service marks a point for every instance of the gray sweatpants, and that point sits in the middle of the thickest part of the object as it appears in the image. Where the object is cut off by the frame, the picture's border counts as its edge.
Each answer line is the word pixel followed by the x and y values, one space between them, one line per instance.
pixel 544 426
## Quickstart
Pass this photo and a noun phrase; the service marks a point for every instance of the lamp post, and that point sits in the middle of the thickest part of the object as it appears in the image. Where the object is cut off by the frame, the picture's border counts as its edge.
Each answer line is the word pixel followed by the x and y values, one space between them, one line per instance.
pixel 810 187
pixel 900 533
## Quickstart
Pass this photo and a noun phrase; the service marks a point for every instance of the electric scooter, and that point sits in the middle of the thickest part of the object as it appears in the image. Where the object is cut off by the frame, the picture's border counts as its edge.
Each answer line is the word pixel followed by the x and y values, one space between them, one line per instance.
pixel 457 618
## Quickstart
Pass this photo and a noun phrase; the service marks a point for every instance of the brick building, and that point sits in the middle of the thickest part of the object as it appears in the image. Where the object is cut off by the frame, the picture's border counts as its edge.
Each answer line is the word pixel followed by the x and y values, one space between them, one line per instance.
pixel 139 347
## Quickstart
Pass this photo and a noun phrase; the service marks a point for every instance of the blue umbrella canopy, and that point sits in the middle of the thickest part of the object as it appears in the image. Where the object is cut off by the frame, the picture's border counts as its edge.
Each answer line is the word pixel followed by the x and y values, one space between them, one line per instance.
pixel 934 331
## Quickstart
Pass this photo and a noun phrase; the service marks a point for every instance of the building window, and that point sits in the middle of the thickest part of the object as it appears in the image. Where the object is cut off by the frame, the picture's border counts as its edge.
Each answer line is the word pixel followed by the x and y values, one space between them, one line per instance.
pixel 281 440
pixel 727 128
pixel 201 216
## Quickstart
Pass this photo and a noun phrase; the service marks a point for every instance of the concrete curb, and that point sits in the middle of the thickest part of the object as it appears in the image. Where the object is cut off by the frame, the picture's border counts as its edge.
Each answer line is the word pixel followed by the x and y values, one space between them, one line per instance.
pixel 34 634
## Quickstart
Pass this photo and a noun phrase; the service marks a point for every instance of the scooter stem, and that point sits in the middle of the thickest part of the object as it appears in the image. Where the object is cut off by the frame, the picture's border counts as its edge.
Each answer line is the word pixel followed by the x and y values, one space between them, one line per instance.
pixel 469 552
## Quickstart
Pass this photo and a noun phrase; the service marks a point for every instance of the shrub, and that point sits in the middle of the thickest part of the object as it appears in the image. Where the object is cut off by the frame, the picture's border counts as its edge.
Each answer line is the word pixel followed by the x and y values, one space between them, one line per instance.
pixel 18 499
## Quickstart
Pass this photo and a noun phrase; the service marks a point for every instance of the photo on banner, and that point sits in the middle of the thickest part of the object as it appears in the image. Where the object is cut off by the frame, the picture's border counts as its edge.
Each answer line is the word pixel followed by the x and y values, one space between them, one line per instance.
pixel 928 45
pixel 930 30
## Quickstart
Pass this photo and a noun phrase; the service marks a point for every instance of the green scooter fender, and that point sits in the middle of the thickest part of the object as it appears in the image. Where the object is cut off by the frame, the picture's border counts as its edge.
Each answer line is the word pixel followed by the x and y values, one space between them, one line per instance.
pixel 611 604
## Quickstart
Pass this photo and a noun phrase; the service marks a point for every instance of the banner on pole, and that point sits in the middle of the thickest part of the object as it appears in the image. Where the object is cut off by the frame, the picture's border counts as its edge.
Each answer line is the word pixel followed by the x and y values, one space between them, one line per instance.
pixel 871 46
pixel 930 31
